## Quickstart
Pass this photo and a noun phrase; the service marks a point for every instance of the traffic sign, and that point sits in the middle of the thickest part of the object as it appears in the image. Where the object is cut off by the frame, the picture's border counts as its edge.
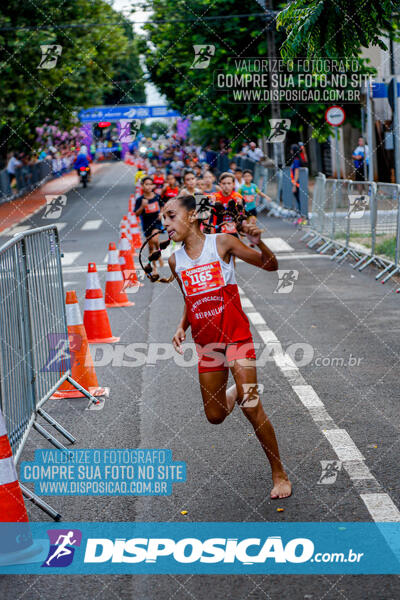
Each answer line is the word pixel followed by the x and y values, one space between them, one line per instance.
pixel 335 116
pixel 104 124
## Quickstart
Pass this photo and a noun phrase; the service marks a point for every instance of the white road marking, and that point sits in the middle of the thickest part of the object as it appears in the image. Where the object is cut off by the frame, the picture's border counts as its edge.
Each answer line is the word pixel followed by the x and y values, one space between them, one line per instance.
pixel 11 231
pixel 69 258
pixel 92 225
pixel 342 444
pixel 68 283
pixel 277 244
pixel 379 504
pixel 256 318
pixel 300 256
pixel 82 269
pixel 381 507
pixel 293 256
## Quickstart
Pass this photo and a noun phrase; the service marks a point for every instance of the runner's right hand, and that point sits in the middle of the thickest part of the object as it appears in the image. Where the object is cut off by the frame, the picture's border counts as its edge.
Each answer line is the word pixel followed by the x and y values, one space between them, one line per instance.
pixel 178 338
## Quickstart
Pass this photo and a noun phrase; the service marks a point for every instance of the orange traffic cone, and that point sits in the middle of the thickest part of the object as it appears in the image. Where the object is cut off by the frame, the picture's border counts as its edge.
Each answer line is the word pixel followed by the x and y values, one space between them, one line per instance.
pixel 132 202
pixel 12 506
pixel 16 543
pixel 125 228
pixel 82 369
pixel 126 260
pixel 95 317
pixel 114 296
pixel 135 232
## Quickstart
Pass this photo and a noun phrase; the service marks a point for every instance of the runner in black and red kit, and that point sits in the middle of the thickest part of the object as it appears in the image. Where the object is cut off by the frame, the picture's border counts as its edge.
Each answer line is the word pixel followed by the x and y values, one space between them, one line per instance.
pixel 147 207
pixel 204 269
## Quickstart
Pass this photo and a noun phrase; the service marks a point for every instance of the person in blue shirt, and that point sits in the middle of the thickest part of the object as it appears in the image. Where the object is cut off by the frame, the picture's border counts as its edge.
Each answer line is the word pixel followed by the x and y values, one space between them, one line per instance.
pixel 250 191
pixel 81 161
pixel 295 173
pixel 360 157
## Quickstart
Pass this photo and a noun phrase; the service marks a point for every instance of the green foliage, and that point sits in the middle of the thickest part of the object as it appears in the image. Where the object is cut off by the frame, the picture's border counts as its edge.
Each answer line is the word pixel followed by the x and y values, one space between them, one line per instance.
pixel 191 91
pixel 336 28
pixel 92 57
pixel 157 127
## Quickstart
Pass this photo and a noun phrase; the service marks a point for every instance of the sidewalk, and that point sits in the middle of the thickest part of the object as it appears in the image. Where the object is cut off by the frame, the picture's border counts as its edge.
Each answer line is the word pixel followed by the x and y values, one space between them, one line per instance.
pixel 12 213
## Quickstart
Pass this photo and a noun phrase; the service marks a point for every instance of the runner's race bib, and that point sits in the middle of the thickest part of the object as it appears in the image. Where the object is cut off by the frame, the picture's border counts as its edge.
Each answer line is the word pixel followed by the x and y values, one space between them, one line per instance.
pixel 152 207
pixel 249 199
pixel 202 278
pixel 228 227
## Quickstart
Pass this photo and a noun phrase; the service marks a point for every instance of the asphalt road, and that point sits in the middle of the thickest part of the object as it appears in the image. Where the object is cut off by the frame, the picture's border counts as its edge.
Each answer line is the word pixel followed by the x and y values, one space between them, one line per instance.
pixel 341 402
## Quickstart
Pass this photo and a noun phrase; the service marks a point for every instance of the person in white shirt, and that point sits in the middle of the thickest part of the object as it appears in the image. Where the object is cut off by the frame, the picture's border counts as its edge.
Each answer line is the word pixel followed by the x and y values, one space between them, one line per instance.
pixel 254 153
pixel 239 181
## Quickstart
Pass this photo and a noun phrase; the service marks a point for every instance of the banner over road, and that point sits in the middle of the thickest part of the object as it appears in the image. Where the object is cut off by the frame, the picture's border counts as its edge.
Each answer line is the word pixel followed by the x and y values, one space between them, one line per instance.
pixel 115 113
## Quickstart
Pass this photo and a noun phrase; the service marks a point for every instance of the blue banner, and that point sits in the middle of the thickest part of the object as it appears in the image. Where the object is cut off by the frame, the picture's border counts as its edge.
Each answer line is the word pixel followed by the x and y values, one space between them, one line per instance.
pixel 380 90
pixel 200 548
pixel 115 113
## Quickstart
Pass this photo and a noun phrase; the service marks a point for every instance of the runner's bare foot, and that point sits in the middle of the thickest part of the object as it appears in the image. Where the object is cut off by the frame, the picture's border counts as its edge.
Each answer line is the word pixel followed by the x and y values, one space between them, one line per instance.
pixel 282 487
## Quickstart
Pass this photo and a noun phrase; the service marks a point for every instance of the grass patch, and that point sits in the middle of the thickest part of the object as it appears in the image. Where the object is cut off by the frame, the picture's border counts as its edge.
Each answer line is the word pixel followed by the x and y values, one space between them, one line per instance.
pixel 386 247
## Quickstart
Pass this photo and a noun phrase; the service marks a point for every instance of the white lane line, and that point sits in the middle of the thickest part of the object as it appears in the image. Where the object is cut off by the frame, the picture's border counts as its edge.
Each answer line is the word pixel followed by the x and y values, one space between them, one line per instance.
pixel 292 257
pixel 21 228
pixel 277 244
pixel 300 256
pixel 82 269
pixel 69 258
pixel 256 318
pixel 92 225
pixel 308 396
pixel 342 444
pixel 379 504
pixel 15 230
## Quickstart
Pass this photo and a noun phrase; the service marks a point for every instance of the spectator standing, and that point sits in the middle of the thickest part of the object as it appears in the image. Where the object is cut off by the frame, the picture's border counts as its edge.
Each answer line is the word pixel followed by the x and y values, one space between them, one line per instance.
pixel 360 158
pixel 255 153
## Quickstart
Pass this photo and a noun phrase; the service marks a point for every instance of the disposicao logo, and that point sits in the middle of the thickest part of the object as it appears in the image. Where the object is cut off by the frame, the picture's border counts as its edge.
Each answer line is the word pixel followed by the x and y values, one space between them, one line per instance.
pixel 62 542
pixel 190 550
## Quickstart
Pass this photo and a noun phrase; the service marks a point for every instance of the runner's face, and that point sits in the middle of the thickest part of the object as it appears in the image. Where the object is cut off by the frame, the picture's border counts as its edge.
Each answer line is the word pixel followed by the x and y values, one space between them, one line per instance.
pixel 247 178
pixel 227 186
pixel 175 219
pixel 190 181
pixel 148 186
pixel 171 181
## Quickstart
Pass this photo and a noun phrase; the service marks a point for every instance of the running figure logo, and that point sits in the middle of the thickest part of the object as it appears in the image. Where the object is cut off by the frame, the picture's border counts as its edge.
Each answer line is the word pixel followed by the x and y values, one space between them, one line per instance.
pixel 202 56
pixel 279 129
pixel 357 206
pixel 50 54
pixel 62 348
pixel 330 471
pixel 128 130
pixel 54 207
pixel 62 542
pixel 251 394
pixel 287 279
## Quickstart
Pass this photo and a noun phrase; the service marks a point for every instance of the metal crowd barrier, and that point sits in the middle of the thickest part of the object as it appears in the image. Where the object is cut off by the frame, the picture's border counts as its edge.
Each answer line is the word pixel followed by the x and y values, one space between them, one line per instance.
pixel 357 219
pixel 34 347
pixel 27 179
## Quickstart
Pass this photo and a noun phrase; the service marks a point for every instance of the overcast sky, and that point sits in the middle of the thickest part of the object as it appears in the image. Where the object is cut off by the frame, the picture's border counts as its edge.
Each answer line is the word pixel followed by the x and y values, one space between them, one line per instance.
pixel 125 6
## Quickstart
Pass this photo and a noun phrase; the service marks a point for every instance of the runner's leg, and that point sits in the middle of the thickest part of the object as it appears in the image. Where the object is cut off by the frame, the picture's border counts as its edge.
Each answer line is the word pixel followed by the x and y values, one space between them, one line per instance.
pixel 245 375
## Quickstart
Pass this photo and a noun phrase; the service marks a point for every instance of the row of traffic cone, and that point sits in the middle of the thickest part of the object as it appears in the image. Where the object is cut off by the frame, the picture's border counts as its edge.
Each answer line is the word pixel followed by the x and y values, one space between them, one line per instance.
pixel 95 327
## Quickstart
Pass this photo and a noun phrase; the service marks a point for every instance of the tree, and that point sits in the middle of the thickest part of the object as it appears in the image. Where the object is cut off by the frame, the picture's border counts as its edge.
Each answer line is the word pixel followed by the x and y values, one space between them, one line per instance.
pixel 336 28
pixel 94 44
pixel 191 91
